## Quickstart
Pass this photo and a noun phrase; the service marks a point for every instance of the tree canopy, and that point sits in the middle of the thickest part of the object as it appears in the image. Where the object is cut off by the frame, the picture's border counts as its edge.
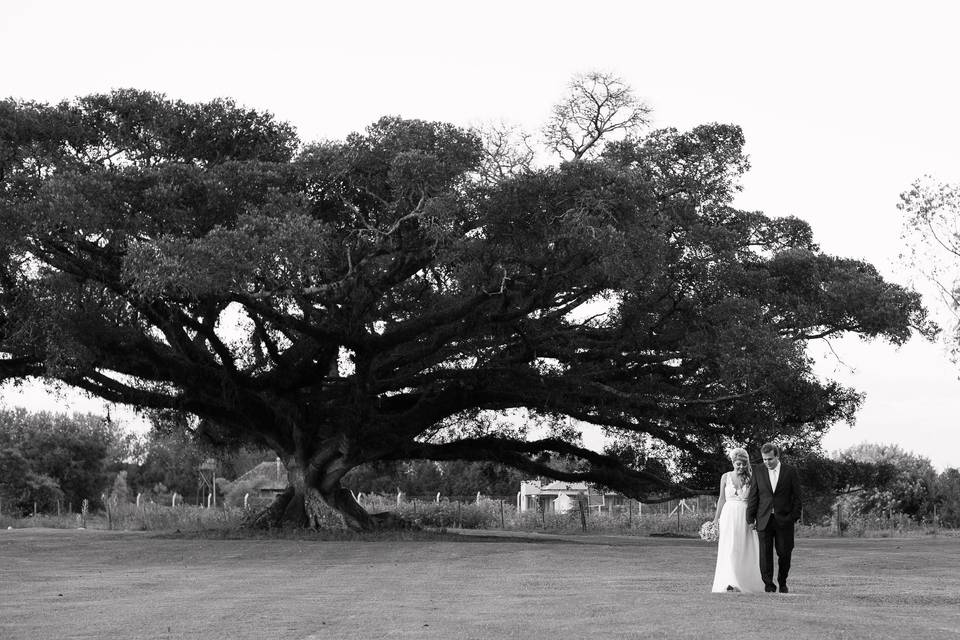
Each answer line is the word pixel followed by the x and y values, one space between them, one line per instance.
pixel 374 299
pixel 908 486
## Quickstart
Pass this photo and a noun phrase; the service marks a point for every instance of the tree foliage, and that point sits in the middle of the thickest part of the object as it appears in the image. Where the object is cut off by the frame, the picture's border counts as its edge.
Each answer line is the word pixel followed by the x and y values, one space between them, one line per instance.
pixel 169 457
pixel 48 457
pixel 455 478
pixel 932 247
pixel 370 299
pixel 909 487
pixel 947 498
pixel 598 106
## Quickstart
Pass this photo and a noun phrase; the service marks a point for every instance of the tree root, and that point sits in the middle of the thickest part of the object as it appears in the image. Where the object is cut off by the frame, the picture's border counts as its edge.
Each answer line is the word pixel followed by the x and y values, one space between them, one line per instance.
pixel 272 517
pixel 290 509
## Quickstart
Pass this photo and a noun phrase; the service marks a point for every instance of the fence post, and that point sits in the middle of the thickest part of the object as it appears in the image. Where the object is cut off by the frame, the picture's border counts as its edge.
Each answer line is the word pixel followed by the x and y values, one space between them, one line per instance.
pixel 839 522
pixel 502 526
pixel 629 514
pixel 583 517
pixel 679 511
pixel 459 516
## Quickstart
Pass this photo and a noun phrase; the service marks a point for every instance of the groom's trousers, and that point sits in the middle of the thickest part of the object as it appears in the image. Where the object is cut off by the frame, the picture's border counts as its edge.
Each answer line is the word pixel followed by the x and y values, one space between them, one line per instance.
pixel 779 537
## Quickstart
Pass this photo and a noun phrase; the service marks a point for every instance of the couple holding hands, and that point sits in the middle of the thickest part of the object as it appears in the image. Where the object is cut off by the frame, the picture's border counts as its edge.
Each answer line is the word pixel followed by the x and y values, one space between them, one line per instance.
pixel 755 514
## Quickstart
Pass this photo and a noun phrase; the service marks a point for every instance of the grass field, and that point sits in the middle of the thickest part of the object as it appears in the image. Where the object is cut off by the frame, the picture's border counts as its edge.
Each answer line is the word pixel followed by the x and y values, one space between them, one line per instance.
pixel 123 585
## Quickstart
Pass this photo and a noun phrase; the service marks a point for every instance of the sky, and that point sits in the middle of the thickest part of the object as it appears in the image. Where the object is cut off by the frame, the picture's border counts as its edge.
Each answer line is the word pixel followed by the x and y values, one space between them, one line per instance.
pixel 843 105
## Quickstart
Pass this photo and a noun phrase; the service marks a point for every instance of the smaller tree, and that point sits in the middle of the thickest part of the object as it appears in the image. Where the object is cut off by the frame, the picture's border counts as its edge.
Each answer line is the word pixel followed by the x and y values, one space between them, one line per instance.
pixel 426 477
pixel 22 489
pixel 638 453
pixel 507 151
pixel 932 244
pixel 70 458
pixel 906 485
pixel 598 108
pixel 947 498
pixel 172 452
pixel 825 480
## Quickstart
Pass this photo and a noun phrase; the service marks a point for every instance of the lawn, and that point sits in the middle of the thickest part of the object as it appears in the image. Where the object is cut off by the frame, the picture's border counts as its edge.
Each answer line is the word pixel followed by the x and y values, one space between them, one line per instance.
pixel 123 585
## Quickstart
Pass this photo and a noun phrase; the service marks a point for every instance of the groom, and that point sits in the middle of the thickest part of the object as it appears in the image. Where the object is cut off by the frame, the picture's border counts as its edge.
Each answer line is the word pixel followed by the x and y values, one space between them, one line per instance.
pixel 774 505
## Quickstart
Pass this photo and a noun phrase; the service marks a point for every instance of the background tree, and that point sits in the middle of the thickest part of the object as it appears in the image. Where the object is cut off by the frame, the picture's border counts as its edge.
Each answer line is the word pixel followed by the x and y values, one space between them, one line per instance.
pixel 49 457
pixel 169 457
pixel 598 107
pixel 932 244
pixel 825 480
pixel 22 488
pixel 910 486
pixel 947 498
pixel 370 300
pixel 451 478
pixel 506 152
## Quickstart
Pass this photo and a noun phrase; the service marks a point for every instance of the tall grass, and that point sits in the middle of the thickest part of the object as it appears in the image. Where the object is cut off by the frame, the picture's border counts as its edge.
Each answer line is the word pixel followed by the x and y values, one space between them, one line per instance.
pixel 130 517
pixel 486 513
pixel 492 513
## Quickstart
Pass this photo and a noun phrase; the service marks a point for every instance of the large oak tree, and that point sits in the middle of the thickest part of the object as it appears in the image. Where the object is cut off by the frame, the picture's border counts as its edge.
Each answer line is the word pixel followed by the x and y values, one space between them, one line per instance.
pixel 386 297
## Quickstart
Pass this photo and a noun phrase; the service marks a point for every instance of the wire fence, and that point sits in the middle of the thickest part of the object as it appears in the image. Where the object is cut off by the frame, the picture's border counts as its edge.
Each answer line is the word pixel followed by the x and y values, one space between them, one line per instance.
pixel 671 518
pixel 508 512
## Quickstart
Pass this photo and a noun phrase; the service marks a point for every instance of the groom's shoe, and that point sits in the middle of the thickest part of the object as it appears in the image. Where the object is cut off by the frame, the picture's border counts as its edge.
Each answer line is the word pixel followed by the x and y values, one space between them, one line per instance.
pixel 770 588
pixel 783 589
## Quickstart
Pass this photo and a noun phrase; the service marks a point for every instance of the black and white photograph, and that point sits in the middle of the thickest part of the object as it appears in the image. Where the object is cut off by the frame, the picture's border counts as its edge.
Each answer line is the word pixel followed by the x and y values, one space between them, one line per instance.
pixel 503 320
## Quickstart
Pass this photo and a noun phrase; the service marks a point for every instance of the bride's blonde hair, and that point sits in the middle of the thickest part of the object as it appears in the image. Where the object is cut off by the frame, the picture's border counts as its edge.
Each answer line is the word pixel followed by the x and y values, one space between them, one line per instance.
pixel 741 454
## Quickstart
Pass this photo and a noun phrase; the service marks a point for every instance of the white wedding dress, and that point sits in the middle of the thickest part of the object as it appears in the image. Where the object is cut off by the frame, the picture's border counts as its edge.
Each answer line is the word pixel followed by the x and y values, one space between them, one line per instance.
pixel 738 552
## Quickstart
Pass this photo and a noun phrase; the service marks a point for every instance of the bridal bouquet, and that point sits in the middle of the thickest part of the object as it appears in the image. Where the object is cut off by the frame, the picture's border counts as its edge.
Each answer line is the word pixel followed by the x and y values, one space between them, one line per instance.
pixel 708 531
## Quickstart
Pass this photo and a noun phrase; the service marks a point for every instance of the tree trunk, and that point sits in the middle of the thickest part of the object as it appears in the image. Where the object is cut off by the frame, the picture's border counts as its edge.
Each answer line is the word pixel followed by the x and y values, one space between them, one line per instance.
pixel 352 513
pixel 317 500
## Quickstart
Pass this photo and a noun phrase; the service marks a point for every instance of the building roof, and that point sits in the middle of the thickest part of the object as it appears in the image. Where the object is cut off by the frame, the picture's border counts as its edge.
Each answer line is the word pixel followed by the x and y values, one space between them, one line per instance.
pixel 267 474
pixel 558 485
pixel 533 487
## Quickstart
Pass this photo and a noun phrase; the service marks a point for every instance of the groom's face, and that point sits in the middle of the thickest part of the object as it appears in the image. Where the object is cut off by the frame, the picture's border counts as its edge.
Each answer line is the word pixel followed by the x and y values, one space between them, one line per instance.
pixel 770 459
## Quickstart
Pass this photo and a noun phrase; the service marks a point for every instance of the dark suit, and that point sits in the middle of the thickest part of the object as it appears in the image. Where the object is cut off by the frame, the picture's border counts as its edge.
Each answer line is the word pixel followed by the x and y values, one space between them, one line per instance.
pixel 774 512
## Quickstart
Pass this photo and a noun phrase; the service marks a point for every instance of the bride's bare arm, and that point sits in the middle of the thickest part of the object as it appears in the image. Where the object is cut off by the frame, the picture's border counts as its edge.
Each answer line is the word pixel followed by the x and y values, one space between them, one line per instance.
pixel 721 499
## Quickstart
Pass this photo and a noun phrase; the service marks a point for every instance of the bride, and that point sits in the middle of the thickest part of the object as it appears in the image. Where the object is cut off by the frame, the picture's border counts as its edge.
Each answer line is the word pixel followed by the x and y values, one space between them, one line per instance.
pixel 738 553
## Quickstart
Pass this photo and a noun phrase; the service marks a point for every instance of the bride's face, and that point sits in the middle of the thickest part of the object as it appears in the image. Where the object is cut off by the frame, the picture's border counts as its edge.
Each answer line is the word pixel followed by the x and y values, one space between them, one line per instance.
pixel 740 465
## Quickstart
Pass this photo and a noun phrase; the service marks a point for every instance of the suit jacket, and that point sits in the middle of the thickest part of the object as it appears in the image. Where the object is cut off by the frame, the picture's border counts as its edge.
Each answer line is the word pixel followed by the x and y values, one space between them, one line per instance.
pixel 784 503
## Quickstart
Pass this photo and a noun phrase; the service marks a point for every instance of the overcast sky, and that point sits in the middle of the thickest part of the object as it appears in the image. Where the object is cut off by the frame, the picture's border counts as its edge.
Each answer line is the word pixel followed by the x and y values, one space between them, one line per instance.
pixel 843 105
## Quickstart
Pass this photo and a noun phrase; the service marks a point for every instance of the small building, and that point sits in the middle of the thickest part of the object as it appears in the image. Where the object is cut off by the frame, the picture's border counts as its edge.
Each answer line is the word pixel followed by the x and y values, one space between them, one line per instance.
pixel 556 496
pixel 268 479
